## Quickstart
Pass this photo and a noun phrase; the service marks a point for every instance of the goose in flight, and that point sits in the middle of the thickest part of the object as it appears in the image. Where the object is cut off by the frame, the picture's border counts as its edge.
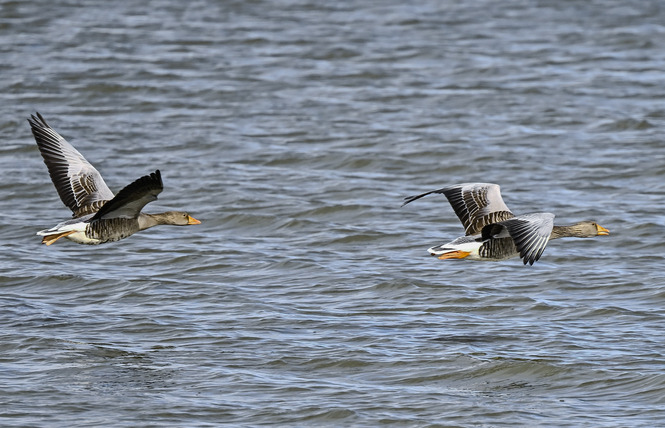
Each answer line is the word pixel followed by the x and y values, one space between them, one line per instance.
pixel 492 232
pixel 98 215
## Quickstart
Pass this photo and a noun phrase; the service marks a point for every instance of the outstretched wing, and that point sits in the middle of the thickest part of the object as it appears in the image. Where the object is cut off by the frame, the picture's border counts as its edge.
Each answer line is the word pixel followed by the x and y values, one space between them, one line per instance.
pixel 476 204
pixel 129 202
pixel 530 232
pixel 80 186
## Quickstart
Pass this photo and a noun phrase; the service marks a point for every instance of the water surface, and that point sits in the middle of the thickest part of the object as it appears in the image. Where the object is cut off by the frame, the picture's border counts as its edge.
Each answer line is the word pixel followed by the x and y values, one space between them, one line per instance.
pixel 293 129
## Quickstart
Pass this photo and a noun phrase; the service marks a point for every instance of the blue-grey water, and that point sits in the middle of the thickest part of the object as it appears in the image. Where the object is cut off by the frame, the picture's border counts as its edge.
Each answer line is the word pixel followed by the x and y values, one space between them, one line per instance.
pixel 293 129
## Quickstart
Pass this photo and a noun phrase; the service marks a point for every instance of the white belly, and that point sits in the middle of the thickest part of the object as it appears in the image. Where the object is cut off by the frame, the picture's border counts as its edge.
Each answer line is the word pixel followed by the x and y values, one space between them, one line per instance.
pixel 465 243
pixel 80 238
pixel 77 227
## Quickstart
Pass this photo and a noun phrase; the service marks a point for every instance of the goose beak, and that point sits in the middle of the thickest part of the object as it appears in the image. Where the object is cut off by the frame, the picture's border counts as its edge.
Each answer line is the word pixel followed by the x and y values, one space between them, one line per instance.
pixel 192 220
pixel 602 230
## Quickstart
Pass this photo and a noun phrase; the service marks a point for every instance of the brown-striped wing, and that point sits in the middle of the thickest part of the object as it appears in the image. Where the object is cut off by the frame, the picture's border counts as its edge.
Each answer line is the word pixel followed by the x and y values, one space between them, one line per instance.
pixel 476 204
pixel 79 185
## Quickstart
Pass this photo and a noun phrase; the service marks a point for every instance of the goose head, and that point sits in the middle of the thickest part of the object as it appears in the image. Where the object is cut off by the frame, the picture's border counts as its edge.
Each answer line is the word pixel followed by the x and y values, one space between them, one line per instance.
pixel 583 229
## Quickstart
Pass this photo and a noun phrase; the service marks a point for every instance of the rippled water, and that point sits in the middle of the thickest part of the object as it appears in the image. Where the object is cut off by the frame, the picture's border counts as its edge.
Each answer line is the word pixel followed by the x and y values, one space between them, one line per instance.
pixel 293 129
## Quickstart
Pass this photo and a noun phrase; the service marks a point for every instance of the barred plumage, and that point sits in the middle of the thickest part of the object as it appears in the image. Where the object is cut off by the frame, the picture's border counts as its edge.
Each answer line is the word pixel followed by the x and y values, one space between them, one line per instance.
pixel 498 249
pixel 112 229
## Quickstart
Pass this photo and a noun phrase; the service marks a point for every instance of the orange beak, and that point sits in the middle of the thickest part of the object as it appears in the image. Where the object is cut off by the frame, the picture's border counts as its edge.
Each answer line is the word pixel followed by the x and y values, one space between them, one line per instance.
pixel 192 220
pixel 454 255
pixel 602 230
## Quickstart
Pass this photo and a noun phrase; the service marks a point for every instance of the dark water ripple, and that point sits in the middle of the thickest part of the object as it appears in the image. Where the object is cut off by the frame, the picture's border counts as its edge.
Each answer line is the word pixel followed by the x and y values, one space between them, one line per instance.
pixel 293 129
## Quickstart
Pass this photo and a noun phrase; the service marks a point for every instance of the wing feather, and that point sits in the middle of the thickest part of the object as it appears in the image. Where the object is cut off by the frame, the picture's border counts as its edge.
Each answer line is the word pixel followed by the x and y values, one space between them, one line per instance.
pixel 80 186
pixel 475 204
pixel 129 202
pixel 531 233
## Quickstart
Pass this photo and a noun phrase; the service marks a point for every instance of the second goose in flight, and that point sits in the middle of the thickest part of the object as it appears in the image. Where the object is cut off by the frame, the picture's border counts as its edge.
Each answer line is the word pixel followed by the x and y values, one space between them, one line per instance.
pixel 494 233
pixel 98 215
